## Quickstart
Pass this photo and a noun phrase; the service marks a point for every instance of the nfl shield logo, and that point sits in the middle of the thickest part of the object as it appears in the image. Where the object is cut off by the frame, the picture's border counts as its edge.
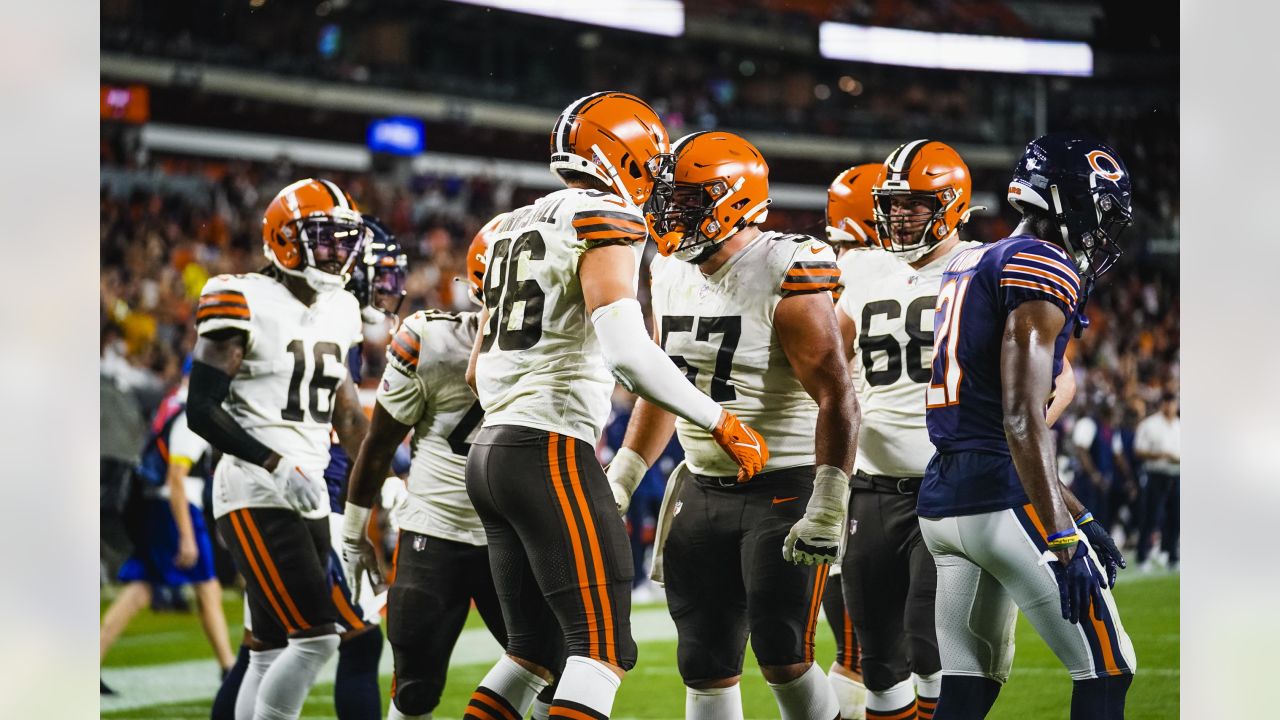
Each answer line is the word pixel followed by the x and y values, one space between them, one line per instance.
pixel 853 525
pixel 676 510
pixel 419 543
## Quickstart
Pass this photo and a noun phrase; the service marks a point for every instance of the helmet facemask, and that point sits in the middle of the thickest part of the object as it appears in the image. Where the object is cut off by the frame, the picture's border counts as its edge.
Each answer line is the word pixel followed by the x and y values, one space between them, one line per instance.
pixel 691 217
pixel 1091 224
pixel 911 222
pixel 330 247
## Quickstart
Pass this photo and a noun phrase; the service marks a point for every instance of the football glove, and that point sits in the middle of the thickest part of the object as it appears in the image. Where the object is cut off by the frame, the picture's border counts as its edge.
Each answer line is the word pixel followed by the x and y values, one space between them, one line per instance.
pixel 1108 554
pixel 1079 583
pixel 747 448
pixel 816 538
pixel 299 491
pixel 357 554
pixel 625 473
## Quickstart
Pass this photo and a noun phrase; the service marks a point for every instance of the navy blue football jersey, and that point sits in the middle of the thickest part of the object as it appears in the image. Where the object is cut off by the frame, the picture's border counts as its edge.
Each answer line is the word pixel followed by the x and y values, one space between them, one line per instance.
pixel 980 287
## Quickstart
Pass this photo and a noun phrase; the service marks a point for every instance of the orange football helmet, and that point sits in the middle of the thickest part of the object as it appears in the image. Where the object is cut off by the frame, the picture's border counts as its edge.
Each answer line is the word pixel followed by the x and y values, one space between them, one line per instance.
pixel 313 230
pixel 851 208
pixel 721 186
pixel 617 139
pixel 478 258
pixel 924 197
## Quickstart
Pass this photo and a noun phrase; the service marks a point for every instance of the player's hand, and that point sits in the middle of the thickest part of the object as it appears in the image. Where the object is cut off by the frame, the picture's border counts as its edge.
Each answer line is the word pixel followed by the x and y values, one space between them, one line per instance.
pixel 815 538
pixel 298 489
pixel 625 473
pixel 358 558
pixel 187 553
pixel 1079 582
pixel 1102 544
pixel 747 448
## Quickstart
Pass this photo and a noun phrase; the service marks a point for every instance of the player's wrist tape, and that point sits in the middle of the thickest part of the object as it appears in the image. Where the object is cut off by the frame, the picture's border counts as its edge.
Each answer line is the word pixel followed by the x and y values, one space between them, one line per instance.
pixel 830 494
pixel 1084 517
pixel 1063 539
pixel 627 469
pixel 355 520
pixel 643 368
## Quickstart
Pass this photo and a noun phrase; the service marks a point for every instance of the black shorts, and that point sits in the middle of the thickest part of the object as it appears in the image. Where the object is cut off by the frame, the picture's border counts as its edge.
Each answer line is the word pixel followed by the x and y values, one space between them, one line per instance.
pixel 726 579
pixel 435 582
pixel 847 654
pixel 889 582
pixel 558 550
pixel 284 559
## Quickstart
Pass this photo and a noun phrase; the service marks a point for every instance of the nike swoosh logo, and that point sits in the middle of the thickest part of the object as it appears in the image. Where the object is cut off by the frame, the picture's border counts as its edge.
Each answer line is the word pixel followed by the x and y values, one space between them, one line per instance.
pixel 782 500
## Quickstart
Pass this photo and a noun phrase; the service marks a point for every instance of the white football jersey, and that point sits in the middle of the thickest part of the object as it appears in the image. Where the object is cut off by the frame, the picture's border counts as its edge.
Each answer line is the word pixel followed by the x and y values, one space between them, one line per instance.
pixel 425 386
pixel 284 392
pixel 541 365
pixel 859 257
pixel 719 329
pixel 892 306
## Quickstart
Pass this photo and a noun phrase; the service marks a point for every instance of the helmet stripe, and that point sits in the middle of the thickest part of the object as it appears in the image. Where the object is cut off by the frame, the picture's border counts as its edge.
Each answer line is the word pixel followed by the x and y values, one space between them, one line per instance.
pixel 564 125
pixel 685 140
pixel 899 163
pixel 339 199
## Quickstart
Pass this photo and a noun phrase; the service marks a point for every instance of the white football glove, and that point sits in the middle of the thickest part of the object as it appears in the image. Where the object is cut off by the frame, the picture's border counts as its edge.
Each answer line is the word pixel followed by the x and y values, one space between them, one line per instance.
pixel 816 538
pixel 299 491
pixel 625 473
pixel 358 557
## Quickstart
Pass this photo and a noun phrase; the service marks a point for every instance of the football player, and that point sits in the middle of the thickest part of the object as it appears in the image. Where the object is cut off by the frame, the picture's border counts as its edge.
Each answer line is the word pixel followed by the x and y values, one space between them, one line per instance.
pixel 748 315
pixel 268 383
pixel 355 690
pixel 441 565
pixel 851 230
pixel 1003 531
pixel 560 323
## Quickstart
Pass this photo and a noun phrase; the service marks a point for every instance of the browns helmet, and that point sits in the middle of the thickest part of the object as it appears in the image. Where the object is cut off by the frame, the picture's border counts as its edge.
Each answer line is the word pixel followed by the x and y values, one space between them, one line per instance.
pixel 721 186
pixel 926 194
pixel 478 258
pixel 851 210
pixel 619 140
pixel 313 230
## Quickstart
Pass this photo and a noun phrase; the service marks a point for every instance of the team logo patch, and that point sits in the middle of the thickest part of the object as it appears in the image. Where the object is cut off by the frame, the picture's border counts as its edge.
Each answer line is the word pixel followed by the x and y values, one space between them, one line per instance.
pixel 1105 165
pixel 676 510
pixel 420 543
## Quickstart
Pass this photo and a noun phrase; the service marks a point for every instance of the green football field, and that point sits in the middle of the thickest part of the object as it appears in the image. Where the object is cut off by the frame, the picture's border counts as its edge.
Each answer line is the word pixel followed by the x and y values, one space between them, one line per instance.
pixel 163 668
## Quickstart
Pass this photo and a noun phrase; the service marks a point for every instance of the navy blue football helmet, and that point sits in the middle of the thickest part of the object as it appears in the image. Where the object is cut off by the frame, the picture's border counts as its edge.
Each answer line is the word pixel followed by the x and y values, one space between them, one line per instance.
pixel 378 278
pixel 1084 185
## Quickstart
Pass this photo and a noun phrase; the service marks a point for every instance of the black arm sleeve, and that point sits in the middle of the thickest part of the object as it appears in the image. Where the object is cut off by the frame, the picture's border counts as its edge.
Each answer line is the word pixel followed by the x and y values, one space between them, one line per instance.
pixel 209 386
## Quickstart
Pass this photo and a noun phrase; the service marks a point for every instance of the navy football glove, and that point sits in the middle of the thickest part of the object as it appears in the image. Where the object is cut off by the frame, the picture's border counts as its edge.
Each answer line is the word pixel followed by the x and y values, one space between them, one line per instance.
pixel 1108 554
pixel 1079 583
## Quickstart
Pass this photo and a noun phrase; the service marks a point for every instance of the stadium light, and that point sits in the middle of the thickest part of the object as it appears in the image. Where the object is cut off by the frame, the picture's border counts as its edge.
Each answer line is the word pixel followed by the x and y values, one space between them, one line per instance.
pixel 951 51
pixel 658 17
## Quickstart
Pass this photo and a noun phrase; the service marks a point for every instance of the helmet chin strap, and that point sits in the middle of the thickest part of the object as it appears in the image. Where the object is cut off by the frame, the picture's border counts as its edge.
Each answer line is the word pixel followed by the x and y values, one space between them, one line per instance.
pixel 1082 263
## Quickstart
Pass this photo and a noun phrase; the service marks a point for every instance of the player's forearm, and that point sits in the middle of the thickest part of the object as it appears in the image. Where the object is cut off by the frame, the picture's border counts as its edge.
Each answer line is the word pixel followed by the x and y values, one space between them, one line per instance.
pixel 372 463
pixel 1031 445
pixel 649 430
pixel 349 421
pixel 1064 392
pixel 643 368
pixel 1074 506
pixel 836 435
pixel 176 480
pixel 206 416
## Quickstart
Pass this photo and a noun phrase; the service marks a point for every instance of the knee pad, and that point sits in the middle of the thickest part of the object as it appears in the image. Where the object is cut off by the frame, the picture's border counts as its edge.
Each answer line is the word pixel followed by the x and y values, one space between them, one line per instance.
pixel 416 697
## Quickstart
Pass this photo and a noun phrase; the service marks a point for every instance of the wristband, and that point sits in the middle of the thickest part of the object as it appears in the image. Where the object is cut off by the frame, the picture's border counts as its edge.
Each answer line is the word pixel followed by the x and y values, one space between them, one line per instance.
pixel 1063 539
pixel 354 521
pixel 1084 517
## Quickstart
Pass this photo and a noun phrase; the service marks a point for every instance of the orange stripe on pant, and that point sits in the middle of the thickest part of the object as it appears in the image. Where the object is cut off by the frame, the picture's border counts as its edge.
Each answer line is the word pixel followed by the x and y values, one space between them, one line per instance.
pixel 257 572
pixel 593 540
pixel 848 641
pixel 272 572
pixel 344 609
pixel 557 482
pixel 811 625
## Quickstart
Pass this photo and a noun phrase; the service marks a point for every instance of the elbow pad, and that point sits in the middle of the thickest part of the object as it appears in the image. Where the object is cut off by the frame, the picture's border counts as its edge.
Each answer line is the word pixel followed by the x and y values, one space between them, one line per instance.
pixel 209 386
pixel 644 369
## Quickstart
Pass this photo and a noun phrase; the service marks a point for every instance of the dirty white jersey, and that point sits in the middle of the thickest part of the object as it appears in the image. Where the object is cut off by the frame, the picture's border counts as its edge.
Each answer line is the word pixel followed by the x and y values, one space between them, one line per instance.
pixel 425 386
pixel 892 306
pixel 283 393
pixel 540 364
pixel 719 330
